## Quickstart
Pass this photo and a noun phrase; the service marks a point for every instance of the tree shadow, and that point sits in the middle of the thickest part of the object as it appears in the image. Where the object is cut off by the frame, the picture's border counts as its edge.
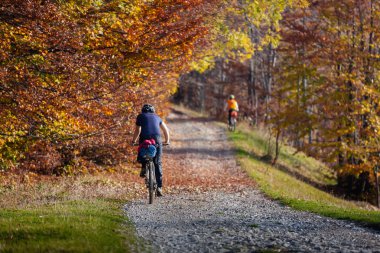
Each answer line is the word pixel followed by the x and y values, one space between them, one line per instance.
pixel 194 119
pixel 216 153
pixel 288 171
pixel 189 140
pixel 188 118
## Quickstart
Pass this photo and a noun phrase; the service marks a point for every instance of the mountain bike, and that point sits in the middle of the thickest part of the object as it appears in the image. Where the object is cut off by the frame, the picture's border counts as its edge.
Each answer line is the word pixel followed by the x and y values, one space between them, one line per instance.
pixel 232 123
pixel 150 175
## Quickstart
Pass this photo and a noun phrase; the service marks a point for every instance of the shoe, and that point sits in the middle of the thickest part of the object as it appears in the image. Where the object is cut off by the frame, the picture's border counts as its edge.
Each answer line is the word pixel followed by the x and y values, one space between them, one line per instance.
pixel 142 172
pixel 159 192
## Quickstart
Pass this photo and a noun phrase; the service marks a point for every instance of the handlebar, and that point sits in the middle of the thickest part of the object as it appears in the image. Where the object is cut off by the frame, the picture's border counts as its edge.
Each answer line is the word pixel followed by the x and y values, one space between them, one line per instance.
pixel 163 144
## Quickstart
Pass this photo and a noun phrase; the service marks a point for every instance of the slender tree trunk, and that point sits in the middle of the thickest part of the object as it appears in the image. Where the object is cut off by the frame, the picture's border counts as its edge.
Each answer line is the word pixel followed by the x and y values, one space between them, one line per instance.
pixel 341 155
pixel 353 121
pixel 377 187
pixel 202 96
pixel 268 78
pixel 252 94
pixel 277 150
pixel 306 107
pixel 298 104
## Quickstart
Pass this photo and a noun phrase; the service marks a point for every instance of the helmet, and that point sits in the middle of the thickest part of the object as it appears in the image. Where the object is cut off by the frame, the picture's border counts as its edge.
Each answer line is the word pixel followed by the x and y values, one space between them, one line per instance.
pixel 232 96
pixel 147 108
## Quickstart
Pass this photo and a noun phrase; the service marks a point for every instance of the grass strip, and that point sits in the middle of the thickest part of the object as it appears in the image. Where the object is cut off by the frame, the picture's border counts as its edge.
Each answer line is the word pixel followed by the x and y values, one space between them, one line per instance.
pixel 72 226
pixel 282 185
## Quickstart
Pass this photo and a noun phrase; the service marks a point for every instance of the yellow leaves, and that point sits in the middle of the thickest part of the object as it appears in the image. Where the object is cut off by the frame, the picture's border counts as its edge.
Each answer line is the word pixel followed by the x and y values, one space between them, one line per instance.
pixel 235 41
pixel 203 64
pixel 97 3
pixel 237 45
pixel 134 9
pixel 37 59
pixel 270 38
pixel 240 41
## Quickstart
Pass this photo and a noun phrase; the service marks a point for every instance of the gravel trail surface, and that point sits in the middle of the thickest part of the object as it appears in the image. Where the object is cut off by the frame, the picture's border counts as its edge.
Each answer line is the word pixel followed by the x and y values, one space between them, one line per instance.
pixel 214 207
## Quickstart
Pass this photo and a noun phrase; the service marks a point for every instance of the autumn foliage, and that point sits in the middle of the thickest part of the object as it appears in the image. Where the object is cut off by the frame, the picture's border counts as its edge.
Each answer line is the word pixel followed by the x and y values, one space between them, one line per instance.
pixel 312 80
pixel 328 80
pixel 74 74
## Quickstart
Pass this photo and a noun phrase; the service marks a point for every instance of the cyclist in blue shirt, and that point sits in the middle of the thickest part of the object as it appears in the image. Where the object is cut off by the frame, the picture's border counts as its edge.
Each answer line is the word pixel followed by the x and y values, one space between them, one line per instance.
pixel 148 125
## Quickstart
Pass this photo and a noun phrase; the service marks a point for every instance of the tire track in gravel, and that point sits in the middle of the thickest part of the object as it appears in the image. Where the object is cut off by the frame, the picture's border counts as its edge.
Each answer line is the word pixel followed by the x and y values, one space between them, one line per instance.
pixel 214 207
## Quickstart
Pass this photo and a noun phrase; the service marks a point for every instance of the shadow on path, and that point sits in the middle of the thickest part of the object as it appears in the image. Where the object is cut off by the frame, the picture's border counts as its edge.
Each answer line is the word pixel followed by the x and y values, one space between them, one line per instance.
pixel 194 119
pixel 217 153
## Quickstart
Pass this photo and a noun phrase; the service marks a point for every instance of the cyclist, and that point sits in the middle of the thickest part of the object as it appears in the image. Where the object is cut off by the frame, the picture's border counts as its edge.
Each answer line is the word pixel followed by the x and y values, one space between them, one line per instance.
pixel 232 105
pixel 148 125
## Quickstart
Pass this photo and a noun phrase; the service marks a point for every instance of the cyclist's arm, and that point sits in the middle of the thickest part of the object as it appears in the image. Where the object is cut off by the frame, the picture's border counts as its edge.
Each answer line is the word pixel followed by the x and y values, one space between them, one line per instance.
pixel 165 130
pixel 136 133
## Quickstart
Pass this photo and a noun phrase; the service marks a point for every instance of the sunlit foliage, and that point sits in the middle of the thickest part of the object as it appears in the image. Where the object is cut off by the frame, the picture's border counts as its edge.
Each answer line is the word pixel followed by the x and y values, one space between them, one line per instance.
pixel 73 74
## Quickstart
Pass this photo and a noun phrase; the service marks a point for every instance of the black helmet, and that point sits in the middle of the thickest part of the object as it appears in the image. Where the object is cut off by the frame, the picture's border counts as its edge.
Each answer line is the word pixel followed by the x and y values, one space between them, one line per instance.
pixel 147 108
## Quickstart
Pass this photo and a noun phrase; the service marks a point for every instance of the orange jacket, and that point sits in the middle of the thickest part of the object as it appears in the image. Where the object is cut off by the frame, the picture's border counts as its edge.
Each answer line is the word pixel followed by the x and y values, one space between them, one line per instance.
pixel 232 104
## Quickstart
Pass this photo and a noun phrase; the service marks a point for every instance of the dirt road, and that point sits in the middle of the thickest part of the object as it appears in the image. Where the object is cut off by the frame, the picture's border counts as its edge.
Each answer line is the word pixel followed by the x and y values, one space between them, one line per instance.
pixel 212 206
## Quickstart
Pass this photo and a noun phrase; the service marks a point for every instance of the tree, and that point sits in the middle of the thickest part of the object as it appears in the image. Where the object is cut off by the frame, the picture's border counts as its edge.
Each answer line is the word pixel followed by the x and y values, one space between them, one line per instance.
pixel 74 73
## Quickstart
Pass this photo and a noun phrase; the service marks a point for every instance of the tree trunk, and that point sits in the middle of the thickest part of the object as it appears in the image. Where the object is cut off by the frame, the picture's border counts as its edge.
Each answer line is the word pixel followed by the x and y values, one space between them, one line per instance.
pixel 277 150
pixel 252 94
pixel 377 188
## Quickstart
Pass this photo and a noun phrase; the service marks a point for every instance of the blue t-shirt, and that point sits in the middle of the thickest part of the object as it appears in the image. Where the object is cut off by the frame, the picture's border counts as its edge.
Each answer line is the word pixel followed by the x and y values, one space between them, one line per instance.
pixel 150 124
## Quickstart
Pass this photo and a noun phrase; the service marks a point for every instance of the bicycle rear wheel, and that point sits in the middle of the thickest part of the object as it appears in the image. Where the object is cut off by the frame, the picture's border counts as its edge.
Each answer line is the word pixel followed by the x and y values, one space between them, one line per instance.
pixel 151 182
pixel 232 125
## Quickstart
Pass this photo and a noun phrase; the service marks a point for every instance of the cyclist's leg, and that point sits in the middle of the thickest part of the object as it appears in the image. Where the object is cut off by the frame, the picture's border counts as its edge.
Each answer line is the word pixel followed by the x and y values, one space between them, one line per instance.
pixel 229 116
pixel 141 160
pixel 158 162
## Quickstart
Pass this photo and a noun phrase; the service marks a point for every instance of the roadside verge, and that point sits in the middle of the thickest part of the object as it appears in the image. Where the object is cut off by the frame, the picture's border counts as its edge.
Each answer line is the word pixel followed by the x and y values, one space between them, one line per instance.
pixel 283 183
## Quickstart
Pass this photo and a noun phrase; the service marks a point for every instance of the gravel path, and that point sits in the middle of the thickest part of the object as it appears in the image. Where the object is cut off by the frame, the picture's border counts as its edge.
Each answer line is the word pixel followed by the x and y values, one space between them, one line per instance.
pixel 210 215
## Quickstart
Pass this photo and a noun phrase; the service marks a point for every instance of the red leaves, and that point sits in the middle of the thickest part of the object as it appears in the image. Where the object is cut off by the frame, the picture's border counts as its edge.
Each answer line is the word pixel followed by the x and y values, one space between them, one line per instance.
pixel 76 74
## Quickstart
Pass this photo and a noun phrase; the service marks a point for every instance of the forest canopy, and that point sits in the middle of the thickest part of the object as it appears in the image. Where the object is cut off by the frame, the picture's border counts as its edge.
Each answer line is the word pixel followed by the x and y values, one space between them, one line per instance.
pixel 74 73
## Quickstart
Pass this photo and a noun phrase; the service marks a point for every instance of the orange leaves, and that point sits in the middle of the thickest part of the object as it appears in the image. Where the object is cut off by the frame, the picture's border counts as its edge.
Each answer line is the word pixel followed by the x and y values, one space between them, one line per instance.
pixel 76 72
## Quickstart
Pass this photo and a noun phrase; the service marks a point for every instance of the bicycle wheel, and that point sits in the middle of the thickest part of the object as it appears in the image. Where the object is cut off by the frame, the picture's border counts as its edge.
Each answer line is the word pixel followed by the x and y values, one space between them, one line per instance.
pixel 233 127
pixel 151 182
pixel 229 126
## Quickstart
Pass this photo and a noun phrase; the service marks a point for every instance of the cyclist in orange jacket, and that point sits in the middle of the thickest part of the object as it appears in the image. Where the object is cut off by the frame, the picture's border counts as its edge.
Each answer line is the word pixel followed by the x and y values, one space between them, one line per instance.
pixel 232 105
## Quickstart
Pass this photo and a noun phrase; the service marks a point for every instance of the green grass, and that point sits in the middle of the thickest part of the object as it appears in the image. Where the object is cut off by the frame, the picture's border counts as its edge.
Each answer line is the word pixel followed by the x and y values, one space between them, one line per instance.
pixel 297 164
pixel 283 182
pixel 71 226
